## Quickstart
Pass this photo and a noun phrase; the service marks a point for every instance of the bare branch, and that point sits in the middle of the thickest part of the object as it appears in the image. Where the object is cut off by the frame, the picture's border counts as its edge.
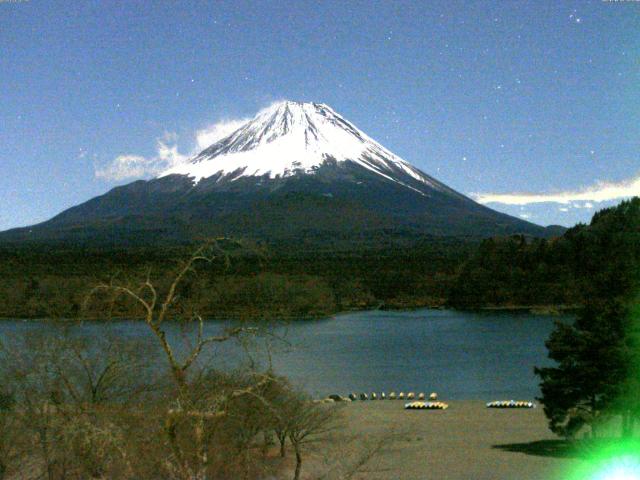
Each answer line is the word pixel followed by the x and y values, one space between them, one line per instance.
pixel 197 256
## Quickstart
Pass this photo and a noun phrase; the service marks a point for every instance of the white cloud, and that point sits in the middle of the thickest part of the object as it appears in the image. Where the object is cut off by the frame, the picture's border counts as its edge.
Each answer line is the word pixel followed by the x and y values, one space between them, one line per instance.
pixel 132 166
pixel 168 156
pixel 217 131
pixel 600 192
pixel 128 167
pixel 124 167
pixel 587 205
pixel 210 134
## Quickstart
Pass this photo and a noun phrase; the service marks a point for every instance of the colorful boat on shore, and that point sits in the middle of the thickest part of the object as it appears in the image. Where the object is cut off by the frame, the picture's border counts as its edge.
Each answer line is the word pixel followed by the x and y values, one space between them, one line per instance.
pixel 426 406
pixel 511 404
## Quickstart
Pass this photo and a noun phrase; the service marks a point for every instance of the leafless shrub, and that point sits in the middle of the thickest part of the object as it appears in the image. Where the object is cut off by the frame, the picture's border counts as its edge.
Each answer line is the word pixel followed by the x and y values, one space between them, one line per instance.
pixel 106 408
pixel 68 397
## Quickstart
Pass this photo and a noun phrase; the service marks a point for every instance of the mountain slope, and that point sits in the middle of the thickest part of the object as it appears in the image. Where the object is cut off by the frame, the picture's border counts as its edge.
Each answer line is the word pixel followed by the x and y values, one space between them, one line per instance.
pixel 295 171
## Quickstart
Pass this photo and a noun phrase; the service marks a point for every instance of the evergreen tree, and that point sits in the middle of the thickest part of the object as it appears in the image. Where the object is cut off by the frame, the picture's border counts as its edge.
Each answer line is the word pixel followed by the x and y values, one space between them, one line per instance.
pixel 597 358
pixel 591 368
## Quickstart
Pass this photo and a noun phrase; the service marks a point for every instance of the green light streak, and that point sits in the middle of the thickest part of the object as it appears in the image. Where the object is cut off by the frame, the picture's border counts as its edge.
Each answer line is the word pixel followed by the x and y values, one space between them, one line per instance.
pixel 614 460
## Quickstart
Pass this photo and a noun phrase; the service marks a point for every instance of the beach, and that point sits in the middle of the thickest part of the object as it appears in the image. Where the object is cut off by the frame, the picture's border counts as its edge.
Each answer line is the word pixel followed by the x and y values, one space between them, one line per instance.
pixel 466 441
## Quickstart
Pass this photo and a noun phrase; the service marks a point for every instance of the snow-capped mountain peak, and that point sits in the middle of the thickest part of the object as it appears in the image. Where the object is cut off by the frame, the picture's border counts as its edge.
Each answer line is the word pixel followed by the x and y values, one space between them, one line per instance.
pixel 291 138
pixel 297 171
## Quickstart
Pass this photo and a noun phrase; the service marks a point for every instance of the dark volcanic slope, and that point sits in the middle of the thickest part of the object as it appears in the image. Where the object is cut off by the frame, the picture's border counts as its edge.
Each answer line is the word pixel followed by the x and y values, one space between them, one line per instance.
pixel 340 200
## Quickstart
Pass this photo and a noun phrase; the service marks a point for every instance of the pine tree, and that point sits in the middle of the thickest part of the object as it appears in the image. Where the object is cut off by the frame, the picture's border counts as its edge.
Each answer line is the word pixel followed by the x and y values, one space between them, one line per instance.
pixel 591 370
pixel 597 358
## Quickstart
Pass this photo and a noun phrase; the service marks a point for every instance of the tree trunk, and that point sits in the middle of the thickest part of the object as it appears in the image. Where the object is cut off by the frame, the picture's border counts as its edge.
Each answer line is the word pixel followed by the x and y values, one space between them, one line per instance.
pixel 245 467
pixel 283 450
pixel 296 475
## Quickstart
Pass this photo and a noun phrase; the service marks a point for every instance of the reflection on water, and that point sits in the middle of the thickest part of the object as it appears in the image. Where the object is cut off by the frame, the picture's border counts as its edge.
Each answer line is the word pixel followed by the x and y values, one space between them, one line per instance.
pixel 457 354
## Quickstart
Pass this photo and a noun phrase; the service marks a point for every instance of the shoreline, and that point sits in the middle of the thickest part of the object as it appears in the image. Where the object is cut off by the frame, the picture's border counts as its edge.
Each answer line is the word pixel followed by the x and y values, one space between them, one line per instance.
pixel 533 309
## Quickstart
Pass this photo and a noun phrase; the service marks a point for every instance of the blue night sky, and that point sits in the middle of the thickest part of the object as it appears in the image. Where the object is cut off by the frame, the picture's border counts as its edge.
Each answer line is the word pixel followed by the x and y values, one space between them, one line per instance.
pixel 540 99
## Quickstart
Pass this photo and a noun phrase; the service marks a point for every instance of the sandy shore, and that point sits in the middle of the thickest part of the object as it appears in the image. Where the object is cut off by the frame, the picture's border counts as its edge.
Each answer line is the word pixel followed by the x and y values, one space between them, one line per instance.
pixel 466 441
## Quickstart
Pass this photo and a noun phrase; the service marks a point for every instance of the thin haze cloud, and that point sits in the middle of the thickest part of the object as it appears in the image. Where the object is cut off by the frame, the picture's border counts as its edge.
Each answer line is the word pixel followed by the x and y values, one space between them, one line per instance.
pixel 124 167
pixel 601 192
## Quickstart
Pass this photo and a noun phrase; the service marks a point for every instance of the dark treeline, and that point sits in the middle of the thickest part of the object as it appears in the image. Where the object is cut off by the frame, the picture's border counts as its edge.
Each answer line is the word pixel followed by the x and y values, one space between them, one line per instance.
pixel 561 271
pixel 307 280
pixel 274 281
pixel 595 376
pixel 519 271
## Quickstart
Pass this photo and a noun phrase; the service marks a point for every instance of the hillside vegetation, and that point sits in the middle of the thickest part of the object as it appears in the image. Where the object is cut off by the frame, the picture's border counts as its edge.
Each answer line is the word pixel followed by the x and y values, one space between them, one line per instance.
pixel 566 270
pixel 310 280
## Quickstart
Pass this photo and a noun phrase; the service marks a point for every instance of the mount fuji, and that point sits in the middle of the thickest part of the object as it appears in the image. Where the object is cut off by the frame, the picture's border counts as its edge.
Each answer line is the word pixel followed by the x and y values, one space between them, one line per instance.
pixel 296 171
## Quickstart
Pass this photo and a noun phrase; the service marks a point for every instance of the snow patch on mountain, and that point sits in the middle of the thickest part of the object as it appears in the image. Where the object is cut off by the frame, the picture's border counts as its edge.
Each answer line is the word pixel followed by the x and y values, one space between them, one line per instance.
pixel 289 138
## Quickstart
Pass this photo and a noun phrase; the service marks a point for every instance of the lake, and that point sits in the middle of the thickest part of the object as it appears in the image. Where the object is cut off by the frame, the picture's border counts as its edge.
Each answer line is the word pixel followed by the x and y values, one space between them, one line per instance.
pixel 460 355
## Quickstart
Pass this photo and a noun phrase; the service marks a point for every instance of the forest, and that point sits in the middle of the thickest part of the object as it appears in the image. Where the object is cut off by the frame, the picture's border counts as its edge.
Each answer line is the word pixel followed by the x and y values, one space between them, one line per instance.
pixel 303 281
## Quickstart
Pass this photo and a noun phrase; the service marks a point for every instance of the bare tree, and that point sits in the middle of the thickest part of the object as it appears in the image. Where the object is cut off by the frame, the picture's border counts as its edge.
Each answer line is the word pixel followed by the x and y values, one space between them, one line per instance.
pixel 157 309
pixel 195 413
pixel 308 422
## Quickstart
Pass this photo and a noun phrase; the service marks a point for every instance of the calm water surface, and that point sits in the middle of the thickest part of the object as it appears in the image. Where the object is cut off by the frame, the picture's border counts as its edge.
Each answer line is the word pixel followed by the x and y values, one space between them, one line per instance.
pixel 457 354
